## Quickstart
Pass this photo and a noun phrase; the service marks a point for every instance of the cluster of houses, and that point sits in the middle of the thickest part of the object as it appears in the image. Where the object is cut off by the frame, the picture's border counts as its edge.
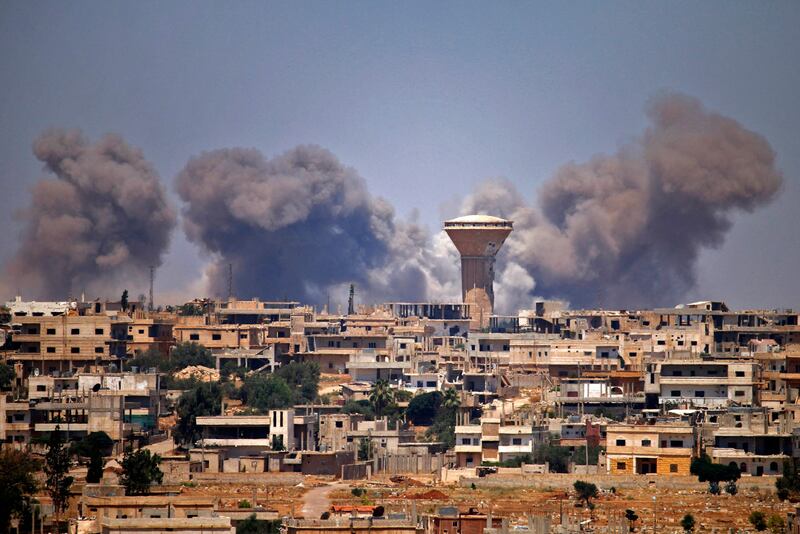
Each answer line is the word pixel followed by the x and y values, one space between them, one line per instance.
pixel 648 389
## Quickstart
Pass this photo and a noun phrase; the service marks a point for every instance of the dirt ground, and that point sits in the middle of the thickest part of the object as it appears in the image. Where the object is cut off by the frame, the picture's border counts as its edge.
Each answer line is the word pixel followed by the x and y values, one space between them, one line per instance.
pixel 712 513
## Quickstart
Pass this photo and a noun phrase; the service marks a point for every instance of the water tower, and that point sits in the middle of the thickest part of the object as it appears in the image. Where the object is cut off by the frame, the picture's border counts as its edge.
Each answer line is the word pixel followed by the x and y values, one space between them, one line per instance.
pixel 478 238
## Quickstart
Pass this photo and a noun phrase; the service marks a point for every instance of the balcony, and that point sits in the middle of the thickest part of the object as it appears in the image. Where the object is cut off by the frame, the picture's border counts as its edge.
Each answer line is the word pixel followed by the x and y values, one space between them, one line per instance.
pixel 468 448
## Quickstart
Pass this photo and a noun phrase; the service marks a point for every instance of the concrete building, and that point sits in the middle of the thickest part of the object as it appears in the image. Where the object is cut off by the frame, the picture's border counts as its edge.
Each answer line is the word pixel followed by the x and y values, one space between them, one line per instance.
pixel 657 448
pixel 478 239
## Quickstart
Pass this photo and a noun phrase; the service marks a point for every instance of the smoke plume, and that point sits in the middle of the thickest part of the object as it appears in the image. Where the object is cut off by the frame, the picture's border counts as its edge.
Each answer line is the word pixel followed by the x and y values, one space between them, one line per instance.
pixel 298 226
pixel 625 230
pixel 98 225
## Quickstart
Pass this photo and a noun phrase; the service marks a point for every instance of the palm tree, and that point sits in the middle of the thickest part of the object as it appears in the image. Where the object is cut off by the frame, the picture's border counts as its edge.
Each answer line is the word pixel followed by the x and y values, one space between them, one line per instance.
pixel 381 397
pixel 451 399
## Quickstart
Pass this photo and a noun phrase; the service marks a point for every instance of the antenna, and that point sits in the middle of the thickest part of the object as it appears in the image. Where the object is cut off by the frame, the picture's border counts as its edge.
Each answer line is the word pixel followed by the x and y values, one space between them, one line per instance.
pixel 230 281
pixel 152 277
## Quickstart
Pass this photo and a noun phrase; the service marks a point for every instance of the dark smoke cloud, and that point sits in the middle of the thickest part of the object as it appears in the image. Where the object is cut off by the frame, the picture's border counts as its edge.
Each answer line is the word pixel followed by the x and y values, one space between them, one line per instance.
pixel 625 230
pixel 97 226
pixel 299 225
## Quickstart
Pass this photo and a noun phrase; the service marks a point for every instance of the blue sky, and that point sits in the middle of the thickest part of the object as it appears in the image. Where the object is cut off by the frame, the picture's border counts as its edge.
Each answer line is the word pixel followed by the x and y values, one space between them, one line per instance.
pixel 424 99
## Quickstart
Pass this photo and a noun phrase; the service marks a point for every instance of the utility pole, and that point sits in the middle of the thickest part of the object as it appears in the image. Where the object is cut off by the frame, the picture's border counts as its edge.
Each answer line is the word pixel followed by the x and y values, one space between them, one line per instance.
pixel 230 281
pixel 152 277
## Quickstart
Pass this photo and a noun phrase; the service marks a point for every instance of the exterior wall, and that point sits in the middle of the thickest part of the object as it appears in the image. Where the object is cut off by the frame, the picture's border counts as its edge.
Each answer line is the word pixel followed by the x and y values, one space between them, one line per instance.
pixel 674 466
pixel 616 467
pixel 59 343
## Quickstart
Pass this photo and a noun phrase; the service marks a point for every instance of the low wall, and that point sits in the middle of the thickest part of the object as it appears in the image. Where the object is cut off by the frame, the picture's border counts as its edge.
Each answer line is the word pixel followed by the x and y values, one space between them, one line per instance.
pixel 261 479
pixel 604 481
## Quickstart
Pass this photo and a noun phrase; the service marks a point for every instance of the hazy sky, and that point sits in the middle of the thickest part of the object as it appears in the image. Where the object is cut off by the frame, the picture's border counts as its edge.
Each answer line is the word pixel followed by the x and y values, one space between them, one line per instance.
pixel 424 99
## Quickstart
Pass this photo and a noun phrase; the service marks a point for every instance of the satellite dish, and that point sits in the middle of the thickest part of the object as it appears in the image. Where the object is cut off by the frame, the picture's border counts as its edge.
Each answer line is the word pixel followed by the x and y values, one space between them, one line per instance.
pixel 96 388
pixel 36 372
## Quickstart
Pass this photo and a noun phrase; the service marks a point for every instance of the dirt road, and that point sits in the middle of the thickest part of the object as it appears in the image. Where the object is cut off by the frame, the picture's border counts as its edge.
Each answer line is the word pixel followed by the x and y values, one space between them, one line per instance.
pixel 317 500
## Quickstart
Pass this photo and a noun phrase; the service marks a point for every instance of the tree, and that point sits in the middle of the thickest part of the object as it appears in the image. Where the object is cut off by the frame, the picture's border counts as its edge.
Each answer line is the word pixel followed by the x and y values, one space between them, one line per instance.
pixel 7 375
pixel 364 449
pixel 707 471
pixel 632 517
pixel 264 393
pixel 123 301
pixel 788 484
pixel 203 399
pixel 191 353
pixel 302 379
pixel 758 520
pixel 451 399
pixel 687 523
pixel 556 456
pixel 362 407
pixel 586 491
pixel 17 484
pixel 94 441
pixel 381 397
pixel 422 408
pixel 96 464
pixel 252 525
pixel 56 468
pixel 190 309
pixel 776 524
pixel 139 471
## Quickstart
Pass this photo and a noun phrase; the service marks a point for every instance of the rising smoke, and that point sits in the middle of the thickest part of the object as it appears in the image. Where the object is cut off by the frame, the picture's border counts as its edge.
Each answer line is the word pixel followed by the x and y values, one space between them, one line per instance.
pixel 98 225
pixel 625 230
pixel 298 226
pixel 621 230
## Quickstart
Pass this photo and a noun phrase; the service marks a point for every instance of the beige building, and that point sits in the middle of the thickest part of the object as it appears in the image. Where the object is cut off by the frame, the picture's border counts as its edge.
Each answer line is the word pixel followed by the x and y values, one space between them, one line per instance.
pixel 659 448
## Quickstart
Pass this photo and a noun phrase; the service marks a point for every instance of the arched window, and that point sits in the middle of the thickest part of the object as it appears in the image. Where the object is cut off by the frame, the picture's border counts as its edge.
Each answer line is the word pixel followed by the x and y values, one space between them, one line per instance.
pixel 773 466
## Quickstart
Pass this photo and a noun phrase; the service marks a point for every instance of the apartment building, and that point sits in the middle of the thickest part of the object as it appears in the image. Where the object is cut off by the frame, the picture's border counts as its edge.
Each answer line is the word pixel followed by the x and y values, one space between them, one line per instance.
pixel 705 382
pixel 66 342
pixel 496 439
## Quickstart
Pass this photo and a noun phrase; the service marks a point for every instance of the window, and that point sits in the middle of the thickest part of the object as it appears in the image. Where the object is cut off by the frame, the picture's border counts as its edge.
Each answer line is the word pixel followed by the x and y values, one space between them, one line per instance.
pixel 402 345
pixel 372 345
pixel 699 393
pixel 675 393
pixel 620 443
pixel 739 393
pixel 51 331
pixel 739 374
pixel 75 331
pixel 339 424
pixel 677 372
pixel 194 337
pixel 99 331
pixel 51 350
pixel 661 342
pixel 676 443
pixel 646 443
pixel 673 468
pixel 41 387
pixel 98 350
pixel 216 337
pixel 466 441
pixel 516 441
pixel 242 336
pixel 621 466
pixel 75 350
pixel 430 384
pixel 141 330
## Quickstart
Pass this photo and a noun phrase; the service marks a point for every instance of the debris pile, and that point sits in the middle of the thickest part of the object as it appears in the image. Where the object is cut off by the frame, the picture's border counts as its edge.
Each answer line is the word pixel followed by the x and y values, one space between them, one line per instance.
pixel 198 372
